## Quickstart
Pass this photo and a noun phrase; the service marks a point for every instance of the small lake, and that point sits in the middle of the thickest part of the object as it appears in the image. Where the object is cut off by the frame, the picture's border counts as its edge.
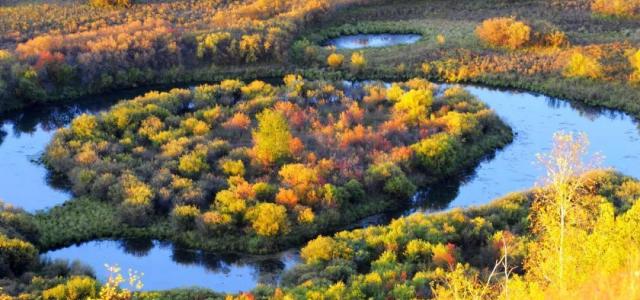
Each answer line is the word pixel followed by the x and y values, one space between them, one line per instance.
pixel 360 41
pixel 534 119
pixel 166 267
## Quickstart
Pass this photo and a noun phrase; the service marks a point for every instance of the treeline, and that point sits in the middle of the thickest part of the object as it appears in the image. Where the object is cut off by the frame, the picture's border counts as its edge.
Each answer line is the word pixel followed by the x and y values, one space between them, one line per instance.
pixel 268 164
pixel 138 47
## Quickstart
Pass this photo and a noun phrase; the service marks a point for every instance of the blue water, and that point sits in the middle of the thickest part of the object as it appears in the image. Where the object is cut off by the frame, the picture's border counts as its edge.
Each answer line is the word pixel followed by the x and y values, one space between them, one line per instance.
pixel 534 119
pixel 360 41
pixel 165 267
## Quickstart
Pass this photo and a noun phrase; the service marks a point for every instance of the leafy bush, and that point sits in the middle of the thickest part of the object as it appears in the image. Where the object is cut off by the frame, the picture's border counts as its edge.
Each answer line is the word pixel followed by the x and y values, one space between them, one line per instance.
pixel 618 8
pixel 581 65
pixel 16 256
pixel 358 62
pixel 110 3
pixel 504 32
pixel 335 60
pixel 76 288
pixel 634 60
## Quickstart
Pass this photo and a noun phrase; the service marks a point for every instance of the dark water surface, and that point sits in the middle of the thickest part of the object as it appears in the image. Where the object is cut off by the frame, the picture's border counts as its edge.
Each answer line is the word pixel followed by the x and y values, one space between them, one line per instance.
pixel 23 182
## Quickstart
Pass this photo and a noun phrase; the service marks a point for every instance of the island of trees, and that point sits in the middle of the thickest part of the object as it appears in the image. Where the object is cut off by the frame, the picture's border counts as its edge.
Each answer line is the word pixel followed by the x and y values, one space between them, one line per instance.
pixel 259 166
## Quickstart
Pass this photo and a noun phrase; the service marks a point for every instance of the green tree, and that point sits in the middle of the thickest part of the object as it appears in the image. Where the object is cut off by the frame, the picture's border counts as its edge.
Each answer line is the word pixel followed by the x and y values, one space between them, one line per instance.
pixel 437 154
pixel 193 163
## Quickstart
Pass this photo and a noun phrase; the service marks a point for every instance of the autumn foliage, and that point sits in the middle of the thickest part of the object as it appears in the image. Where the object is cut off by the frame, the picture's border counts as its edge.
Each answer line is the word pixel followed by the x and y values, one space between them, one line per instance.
pixel 504 32
pixel 619 8
pixel 272 162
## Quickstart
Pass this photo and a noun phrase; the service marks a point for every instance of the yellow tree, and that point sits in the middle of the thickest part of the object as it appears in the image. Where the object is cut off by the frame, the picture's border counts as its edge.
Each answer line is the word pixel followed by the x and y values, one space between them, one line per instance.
pixel 558 211
pixel 619 8
pixel 271 139
pixel 504 32
pixel 335 60
pixel 634 60
pixel 584 66
pixel 414 105
pixel 358 62
pixel 268 219
pixel 250 47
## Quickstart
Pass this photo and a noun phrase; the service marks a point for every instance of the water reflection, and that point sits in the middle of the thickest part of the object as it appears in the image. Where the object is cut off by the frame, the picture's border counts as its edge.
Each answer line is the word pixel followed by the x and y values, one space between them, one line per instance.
pixel 359 41
pixel 185 268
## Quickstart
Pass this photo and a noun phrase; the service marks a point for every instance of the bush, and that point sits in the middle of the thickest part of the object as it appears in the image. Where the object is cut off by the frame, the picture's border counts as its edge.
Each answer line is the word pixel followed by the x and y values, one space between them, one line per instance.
pixel 264 192
pixel 504 32
pixel 317 250
pixel 184 216
pixel 16 256
pixel 76 288
pixel 268 219
pixel 335 60
pixel 354 190
pixel 232 167
pixel 437 154
pixel 618 8
pixel 271 139
pixel 414 105
pixel 582 66
pixel 214 223
pixel 110 3
pixel 634 60
pixel 358 62
pixel 400 187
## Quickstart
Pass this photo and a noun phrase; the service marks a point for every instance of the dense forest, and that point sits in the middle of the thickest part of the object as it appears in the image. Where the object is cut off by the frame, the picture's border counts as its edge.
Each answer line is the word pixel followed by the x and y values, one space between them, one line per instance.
pixel 279 139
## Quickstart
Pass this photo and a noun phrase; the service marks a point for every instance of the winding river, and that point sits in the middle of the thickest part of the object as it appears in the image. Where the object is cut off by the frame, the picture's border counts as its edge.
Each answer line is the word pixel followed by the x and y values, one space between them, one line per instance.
pixel 534 119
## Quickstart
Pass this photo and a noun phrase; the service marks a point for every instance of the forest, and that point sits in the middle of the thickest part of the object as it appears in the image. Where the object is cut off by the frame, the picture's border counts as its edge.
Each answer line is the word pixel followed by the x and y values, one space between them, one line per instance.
pixel 371 141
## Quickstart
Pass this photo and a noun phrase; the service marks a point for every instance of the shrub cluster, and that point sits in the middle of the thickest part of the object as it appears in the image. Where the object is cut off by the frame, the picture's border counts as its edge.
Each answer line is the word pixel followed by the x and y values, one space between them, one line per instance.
pixel 512 34
pixel 504 32
pixel 451 255
pixel 617 8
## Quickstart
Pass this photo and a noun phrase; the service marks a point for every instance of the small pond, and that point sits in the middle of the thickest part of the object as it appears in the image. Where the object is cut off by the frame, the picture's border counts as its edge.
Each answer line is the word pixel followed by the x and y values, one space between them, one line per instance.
pixel 166 267
pixel 359 41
